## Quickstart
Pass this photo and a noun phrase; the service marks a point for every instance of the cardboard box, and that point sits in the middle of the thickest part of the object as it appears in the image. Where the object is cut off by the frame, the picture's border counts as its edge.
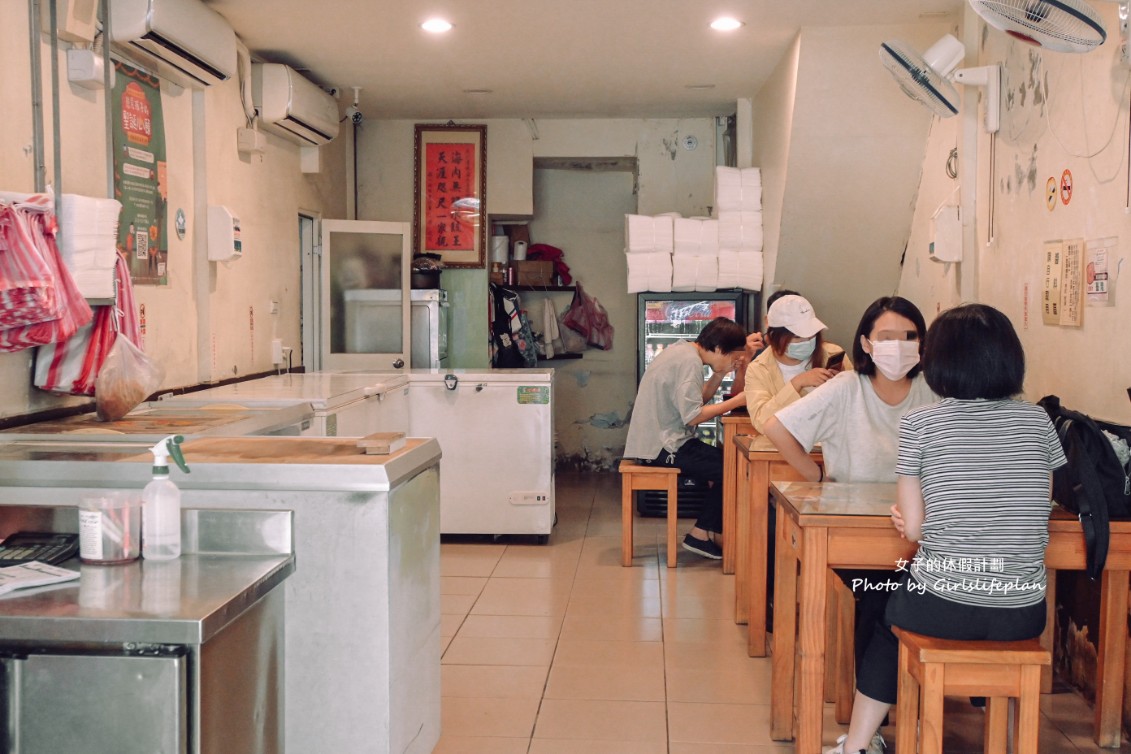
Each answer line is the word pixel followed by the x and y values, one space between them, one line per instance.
pixel 528 272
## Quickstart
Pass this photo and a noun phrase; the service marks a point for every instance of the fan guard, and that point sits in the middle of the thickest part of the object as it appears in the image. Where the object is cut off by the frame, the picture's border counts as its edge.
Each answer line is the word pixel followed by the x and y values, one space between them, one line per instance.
pixel 1057 25
pixel 923 77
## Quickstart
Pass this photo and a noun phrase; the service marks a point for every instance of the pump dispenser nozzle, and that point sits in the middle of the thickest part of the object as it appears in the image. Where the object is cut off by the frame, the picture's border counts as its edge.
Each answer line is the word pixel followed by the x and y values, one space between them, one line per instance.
pixel 170 446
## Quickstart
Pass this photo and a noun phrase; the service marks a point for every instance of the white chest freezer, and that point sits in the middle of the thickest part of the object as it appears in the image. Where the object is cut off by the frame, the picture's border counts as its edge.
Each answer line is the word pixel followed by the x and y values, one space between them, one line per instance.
pixel 496 431
pixel 344 404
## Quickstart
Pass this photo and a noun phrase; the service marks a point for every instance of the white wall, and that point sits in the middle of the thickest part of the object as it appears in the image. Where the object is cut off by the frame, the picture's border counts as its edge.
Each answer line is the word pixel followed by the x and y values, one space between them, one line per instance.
pixel 266 193
pixel 1085 99
pixel 843 148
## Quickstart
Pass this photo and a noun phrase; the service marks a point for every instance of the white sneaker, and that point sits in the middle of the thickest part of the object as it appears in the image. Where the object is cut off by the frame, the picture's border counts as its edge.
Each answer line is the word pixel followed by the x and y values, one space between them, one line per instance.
pixel 877 746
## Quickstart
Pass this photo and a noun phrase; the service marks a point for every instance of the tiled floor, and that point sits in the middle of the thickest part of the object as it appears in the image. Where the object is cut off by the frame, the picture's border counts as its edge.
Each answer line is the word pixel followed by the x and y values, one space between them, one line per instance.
pixel 557 649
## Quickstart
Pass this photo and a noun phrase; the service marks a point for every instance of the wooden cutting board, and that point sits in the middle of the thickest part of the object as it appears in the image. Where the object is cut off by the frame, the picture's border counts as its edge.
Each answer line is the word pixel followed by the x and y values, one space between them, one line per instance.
pixel 311 450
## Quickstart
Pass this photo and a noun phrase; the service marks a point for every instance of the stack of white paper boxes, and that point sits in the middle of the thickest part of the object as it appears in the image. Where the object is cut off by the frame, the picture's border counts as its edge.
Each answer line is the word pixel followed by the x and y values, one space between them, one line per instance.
pixel 88 242
pixel 672 253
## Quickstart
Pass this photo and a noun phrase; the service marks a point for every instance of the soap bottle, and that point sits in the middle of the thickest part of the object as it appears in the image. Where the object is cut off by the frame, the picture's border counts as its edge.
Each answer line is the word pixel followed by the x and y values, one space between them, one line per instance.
pixel 161 504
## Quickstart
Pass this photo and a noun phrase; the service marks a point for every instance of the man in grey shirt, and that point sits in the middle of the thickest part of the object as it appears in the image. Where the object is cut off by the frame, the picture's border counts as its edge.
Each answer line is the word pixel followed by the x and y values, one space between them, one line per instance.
pixel 672 399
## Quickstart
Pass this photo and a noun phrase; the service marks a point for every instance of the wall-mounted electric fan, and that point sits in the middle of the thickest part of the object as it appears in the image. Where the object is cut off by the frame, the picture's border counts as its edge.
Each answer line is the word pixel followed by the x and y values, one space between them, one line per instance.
pixel 1057 25
pixel 927 78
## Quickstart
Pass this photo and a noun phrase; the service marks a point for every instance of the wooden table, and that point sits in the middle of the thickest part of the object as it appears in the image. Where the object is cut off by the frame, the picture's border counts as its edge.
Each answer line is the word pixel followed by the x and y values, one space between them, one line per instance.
pixel 848 525
pixel 735 424
pixel 758 462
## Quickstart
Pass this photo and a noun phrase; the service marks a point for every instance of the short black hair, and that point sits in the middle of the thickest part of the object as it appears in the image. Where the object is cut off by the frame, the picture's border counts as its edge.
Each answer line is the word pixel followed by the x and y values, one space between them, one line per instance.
pixel 973 352
pixel 861 361
pixel 722 333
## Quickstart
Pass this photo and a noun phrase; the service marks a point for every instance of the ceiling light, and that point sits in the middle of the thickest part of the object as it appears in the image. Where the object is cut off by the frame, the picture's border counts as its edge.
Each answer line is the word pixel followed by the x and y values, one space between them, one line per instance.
pixel 699 86
pixel 726 23
pixel 436 25
pixel 478 91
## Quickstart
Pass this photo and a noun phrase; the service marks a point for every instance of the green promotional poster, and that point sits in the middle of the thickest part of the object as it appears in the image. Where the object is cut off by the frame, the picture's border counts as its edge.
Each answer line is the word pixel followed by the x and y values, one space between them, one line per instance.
pixel 140 175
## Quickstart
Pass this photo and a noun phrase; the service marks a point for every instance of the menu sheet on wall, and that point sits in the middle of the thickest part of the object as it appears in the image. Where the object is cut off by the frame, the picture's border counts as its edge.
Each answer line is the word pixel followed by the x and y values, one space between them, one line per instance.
pixel 1097 272
pixel 140 174
pixel 1062 299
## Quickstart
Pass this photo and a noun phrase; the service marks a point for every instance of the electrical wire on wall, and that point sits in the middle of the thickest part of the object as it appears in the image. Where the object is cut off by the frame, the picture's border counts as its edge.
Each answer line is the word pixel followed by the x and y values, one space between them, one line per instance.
pixel 952 164
pixel 1088 154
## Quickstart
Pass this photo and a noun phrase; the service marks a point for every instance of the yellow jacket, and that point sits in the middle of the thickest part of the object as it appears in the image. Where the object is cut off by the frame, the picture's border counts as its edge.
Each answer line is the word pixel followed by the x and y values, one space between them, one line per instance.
pixel 767 392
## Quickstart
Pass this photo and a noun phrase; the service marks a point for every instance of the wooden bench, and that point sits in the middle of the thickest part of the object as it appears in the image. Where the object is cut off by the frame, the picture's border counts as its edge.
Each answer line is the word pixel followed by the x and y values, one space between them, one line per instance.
pixel 635 476
pixel 930 669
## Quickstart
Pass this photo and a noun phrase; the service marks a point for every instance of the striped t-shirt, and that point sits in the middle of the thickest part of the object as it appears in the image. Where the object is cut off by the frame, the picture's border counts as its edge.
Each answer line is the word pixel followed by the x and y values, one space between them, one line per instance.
pixel 984 470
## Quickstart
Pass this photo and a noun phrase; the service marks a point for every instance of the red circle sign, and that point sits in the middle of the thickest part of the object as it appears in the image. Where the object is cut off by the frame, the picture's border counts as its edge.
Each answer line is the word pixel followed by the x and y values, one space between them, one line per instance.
pixel 1066 186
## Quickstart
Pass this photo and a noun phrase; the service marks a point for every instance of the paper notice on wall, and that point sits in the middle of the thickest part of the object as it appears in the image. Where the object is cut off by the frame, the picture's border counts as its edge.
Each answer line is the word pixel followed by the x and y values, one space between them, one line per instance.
pixel 1062 297
pixel 1097 273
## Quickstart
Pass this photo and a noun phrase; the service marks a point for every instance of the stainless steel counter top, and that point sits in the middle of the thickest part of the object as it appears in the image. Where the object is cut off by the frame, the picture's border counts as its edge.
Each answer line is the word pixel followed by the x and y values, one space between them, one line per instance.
pixel 183 601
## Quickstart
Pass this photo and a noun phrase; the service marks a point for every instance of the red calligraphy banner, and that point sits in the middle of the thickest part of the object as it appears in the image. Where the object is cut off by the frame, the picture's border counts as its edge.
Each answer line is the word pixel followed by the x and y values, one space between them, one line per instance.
pixel 450 181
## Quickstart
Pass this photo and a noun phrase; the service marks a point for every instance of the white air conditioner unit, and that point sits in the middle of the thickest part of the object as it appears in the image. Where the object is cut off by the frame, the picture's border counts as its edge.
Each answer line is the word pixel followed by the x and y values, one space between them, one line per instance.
pixel 292 106
pixel 186 38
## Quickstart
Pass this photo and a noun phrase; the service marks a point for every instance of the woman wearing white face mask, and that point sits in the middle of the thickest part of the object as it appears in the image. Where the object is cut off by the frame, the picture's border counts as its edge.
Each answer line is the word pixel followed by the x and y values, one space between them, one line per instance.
pixel 855 417
pixel 795 361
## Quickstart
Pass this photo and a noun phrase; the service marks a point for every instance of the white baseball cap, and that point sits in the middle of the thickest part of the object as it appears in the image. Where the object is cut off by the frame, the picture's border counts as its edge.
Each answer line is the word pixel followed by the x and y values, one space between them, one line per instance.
pixel 795 314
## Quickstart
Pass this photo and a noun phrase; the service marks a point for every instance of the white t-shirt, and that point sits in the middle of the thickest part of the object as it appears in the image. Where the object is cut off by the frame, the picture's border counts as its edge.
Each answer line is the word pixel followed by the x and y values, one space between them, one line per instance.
pixel 858 432
pixel 670 396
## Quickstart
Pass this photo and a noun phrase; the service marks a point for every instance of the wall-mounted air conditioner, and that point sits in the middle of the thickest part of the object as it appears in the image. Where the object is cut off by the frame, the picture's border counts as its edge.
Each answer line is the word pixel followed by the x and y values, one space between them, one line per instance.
pixel 187 39
pixel 292 106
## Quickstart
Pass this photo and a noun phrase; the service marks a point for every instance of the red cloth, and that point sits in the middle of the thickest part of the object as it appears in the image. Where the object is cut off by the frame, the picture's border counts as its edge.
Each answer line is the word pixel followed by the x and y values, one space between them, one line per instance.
pixel 546 252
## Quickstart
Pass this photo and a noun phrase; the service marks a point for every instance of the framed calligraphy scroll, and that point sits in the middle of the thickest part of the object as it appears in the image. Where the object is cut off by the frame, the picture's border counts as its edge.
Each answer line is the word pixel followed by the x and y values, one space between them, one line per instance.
pixel 450 187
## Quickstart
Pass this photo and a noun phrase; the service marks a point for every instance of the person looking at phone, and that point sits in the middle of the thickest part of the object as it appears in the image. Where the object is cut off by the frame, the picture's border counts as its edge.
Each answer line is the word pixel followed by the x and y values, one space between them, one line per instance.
pixel 673 398
pixel 796 360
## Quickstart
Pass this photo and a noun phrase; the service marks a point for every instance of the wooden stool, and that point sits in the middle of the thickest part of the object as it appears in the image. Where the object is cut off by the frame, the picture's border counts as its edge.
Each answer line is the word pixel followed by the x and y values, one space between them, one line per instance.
pixel 930 669
pixel 634 476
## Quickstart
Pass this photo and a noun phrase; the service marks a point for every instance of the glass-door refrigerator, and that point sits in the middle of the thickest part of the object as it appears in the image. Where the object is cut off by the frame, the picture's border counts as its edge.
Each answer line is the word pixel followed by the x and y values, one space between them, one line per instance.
pixel 663 319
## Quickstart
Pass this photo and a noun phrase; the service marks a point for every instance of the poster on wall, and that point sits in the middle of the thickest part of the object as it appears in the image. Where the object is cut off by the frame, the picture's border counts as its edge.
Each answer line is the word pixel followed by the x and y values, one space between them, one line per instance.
pixel 141 174
pixel 1097 275
pixel 1062 297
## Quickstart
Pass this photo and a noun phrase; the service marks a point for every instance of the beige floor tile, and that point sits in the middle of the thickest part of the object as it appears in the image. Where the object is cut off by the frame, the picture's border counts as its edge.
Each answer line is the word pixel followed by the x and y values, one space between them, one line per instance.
pixel 469 559
pixel 481 745
pixel 714 631
pixel 494 651
pixel 466 585
pixel 450 623
pixel 610 653
pixel 549 562
pixel 698 656
pixel 456 604
pixel 630 600
pixel 601 720
pixel 700 748
pixel 644 683
pixel 501 718
pixel 493 681
pixel 689 604
pixel 521 596
pixel 750 686
pixel 747 724
pixel 551 746
pixel 511 626
pixel 445 642
pixel 611 627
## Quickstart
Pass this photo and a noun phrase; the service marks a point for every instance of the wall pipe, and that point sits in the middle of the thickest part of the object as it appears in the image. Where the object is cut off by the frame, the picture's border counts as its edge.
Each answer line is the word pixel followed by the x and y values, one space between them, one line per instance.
pixel 40 167
pixel 56 118
pixel 107 75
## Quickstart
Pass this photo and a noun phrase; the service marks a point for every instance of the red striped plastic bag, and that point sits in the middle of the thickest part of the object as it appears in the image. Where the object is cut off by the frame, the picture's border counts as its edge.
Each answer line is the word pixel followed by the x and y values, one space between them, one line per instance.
pixel 71 366
pixel 73 311
pixel 27 286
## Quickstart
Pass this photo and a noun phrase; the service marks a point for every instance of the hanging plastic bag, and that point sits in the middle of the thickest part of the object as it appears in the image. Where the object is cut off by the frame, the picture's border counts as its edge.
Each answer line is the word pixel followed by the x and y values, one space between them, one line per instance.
pixel 126 379
pixel 587 317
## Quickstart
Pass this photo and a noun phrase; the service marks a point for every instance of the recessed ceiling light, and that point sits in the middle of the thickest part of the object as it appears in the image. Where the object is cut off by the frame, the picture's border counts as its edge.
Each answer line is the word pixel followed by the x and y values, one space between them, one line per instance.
pixel 478 91
pixel 436 25
pixel 726 23
pixel 699 86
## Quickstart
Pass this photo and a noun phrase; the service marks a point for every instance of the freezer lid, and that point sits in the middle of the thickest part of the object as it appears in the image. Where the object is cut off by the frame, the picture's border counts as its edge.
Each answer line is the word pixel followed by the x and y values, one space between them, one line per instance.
pixel 324 391
pixel 393 295
pixel 539 376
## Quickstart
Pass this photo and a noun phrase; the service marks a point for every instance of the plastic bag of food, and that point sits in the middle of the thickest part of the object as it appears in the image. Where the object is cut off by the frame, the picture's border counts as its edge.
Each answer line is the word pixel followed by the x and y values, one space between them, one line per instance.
pixel 126 379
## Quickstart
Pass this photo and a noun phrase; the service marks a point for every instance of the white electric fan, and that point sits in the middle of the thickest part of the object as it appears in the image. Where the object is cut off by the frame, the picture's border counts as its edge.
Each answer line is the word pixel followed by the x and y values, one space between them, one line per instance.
pixel 927 78
pixel 1057 25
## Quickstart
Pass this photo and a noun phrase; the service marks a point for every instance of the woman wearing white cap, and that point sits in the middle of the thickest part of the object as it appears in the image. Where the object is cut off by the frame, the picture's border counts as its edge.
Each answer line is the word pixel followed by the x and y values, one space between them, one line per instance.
pixel 795 361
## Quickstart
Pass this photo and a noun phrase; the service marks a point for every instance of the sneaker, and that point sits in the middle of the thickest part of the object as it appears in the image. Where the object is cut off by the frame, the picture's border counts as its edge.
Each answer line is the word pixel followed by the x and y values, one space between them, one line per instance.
pixel 704 547
pixel 877 746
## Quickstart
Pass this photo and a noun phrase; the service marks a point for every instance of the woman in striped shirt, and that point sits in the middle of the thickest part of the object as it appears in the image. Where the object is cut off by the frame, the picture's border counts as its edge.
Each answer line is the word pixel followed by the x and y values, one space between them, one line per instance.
pixel 974 480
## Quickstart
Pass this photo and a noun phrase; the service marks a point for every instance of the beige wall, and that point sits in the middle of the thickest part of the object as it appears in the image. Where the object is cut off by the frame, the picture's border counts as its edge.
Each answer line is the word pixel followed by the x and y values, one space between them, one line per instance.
pixel 1085 99
pixel 842 147
pixel 265 192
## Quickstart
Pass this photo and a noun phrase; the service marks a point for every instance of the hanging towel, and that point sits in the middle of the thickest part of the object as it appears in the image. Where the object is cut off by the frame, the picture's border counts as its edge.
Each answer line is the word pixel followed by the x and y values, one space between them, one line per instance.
pixel 551 337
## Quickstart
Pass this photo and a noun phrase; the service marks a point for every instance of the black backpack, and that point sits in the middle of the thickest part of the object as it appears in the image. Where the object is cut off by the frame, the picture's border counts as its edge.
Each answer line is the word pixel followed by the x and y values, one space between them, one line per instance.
pixel 1093 484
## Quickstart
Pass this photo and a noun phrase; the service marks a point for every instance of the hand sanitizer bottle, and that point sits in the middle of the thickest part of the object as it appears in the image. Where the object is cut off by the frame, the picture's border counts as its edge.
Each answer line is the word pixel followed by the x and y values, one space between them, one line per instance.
pixel 161 504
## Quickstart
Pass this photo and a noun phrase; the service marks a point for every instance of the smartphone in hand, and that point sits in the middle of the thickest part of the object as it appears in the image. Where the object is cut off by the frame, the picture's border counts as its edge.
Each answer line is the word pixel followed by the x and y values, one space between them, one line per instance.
pixel 836 361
